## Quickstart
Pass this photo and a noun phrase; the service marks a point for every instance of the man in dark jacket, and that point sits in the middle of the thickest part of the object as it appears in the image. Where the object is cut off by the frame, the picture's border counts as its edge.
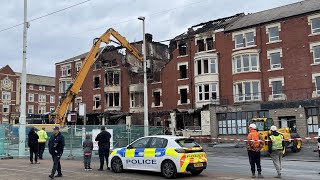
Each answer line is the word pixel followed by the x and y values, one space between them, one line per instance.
pixel 33 145
pixel 56 145
pixel 103 139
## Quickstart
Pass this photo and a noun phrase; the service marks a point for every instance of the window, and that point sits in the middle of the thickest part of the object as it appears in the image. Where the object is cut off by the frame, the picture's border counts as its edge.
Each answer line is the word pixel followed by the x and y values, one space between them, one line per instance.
pixel 42 109
pixel 42 88
pixel 245 63
pixel 136 99
pixel 315 24
pixel 97 65
pixel 64 85
pixel 31 87
pixel 158 143
pixel 31 97
pixel 183 71
pixel 313 120
pixel 111 63
pixel 96 102
pixel 52 98
pixel 233 123
pixel 52 108
pixel 207 92
pixel 65 70
pixel 184 96
pixel 182 49
pixel 6 96
pixel 246 91
pixel 5 108
pixel 113 99
pixel 78 66
pixel 96 82
pixel 112 78
pixel 275 60
pixel 52 89
pixel 30 109
pixel 42 98
pixel 249 39
pixel 238 41
pixel 206 66
pixel 210 43
pixel 273 33
pixel 140 143
pixel 315 49
pixel 200 45
pixel 157 98
pixel 244 39
pixel 277 89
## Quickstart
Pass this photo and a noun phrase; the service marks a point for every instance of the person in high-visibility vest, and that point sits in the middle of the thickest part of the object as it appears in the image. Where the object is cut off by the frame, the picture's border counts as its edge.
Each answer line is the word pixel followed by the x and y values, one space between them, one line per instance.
pixel 42 141
pixel 276 146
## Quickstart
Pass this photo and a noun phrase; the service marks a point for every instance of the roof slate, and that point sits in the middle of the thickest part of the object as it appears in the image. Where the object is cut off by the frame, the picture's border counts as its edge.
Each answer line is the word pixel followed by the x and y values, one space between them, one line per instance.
pixel 303 7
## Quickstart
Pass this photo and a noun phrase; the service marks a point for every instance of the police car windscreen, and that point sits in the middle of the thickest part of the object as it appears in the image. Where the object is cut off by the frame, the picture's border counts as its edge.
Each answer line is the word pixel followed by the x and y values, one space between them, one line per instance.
pixel 187 143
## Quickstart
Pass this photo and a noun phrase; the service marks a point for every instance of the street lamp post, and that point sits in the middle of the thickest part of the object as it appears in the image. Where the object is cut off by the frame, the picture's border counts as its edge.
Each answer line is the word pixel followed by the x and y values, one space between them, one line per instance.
pixel 145 85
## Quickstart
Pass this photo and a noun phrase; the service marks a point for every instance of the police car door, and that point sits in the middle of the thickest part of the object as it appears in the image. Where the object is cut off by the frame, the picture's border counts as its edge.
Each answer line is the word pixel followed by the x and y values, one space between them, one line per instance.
pixel 134 158
pixel 155 152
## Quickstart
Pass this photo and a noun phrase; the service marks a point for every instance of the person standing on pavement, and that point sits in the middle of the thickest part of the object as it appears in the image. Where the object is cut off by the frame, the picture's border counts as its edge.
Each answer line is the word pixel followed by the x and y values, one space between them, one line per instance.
pixel 103 139
pixel 254 147
pixel 276 149
pixel 87 152
pixel 56 145
pixel 33 145
pixel 42 141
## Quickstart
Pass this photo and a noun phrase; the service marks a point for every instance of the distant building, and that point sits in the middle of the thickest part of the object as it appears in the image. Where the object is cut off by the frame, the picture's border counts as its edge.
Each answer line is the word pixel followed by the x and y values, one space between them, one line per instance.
pixel 40 95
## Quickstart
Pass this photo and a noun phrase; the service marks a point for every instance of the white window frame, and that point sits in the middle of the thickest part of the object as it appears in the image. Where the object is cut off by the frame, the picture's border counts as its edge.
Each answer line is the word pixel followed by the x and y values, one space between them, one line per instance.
pixel 42 98
pixel 244 96
pixel 245 43
pixel 269 52
pixel 31 87
pixel 95 101
pixel 235 68
pixel 52 108
pixel 210 59
pixel 78 66
pixel 312 45
pixel 134 101
pixel 30 107
pixel 183 87
pixel 310 18
pixel 273 95
pixel 204 38
pixel 278 25
pixel 64 70
pixel 52 89
pixel 210 92
pixel 6 96
pixel 52 99
pixel 315 93
pixel 187 67
pixel 6 106
pixel 42 109
pixel 31 96
pixel 66 87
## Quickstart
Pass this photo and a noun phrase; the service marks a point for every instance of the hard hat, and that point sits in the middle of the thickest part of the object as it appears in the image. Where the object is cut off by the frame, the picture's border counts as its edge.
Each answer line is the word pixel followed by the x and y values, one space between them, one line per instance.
pixel 253 126
pixel 273 128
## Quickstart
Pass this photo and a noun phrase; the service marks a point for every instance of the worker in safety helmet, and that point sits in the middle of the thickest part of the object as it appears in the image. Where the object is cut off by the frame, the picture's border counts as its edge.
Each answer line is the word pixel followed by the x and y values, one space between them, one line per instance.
pixel 254 147
pixel 276 145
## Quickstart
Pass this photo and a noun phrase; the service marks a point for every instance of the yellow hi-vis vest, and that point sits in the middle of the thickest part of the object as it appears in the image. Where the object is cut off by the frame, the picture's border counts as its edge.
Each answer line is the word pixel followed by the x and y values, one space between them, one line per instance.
pixel 42 136
pixel 276 142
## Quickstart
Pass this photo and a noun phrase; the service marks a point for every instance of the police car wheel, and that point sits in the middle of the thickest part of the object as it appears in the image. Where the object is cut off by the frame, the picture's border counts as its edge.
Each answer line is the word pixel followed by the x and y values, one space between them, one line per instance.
pixel 116 165
pixel 196 172
pixel 168 169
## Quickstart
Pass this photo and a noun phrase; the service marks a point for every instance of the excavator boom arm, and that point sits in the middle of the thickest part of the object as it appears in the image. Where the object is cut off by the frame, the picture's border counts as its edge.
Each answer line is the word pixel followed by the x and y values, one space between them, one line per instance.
pixel 61 110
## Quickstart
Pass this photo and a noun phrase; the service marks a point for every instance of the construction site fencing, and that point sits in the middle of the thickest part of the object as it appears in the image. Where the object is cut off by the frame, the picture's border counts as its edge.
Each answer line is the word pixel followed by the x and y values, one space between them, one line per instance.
pixel 74 135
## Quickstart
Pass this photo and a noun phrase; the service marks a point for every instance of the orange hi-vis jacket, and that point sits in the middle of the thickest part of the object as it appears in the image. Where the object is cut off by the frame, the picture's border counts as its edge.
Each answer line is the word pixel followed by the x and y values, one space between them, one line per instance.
pixel 254 145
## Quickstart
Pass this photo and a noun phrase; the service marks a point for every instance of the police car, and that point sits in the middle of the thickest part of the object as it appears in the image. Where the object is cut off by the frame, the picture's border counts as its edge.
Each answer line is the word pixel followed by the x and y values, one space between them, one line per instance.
pixel 169 155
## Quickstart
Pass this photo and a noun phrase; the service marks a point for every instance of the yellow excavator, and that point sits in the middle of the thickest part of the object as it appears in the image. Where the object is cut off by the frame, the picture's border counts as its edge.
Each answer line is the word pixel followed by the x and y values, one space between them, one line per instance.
pixel 291 141
pixel 60 112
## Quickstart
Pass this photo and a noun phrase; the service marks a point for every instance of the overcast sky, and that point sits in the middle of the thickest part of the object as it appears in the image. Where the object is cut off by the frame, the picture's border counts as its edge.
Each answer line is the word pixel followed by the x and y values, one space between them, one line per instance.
pixel 70 33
